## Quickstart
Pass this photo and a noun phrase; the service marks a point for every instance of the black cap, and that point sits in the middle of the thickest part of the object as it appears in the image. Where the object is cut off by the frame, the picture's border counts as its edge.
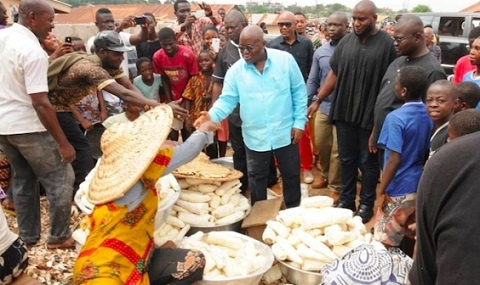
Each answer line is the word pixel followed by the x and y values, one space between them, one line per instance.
pixel 110 40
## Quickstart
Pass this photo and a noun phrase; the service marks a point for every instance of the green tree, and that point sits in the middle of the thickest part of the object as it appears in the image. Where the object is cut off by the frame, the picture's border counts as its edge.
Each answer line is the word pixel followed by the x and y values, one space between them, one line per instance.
pixel 421 8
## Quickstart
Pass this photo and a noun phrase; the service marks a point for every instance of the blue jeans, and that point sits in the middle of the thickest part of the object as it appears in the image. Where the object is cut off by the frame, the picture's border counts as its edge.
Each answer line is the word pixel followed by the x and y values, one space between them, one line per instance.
pixel 258 164
pixel 35 157
pixel 354 154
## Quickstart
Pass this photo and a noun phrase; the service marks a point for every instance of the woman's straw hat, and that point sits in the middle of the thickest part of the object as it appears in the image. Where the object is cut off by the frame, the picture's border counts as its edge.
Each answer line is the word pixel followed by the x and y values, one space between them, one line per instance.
pixel 128 149
pixel 202 168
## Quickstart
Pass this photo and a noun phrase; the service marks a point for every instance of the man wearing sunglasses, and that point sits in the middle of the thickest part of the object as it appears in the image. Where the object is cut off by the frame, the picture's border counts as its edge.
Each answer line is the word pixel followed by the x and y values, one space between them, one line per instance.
pixel 302 50
pixel 271 91
pixel 409 43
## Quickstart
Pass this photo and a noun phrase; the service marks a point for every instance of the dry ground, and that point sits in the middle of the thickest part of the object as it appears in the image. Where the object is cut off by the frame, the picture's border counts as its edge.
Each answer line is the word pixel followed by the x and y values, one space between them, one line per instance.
pixel 56 266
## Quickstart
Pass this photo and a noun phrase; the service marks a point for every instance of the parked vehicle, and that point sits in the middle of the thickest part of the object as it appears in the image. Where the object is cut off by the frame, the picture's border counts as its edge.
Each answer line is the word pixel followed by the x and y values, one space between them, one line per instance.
pixel 452 30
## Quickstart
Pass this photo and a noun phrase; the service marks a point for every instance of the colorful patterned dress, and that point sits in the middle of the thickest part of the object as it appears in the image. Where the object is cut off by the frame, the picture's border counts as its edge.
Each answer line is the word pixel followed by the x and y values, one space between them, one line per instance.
pixel 118 248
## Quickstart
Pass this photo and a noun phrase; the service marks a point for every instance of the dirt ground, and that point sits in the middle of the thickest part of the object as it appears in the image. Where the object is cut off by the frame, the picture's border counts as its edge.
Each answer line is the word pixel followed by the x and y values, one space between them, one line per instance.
pixel 56 266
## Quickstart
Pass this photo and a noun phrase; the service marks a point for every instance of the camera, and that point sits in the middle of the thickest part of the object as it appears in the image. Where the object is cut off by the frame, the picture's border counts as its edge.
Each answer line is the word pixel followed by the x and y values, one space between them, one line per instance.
pixel 68 39
pixel 140 20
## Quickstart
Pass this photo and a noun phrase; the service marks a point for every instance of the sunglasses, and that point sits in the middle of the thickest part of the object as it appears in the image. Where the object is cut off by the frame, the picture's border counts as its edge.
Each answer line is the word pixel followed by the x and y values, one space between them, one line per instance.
pixel 249 48
pixel 286 24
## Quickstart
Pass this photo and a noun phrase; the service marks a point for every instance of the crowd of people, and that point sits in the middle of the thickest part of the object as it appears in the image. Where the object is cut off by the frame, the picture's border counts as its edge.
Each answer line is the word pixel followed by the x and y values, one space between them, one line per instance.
pixel 351 99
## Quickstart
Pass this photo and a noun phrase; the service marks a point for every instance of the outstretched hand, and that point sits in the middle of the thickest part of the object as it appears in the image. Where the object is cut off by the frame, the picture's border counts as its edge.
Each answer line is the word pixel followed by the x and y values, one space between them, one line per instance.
pixel 178 111
pixel 204 117
pixel 209 126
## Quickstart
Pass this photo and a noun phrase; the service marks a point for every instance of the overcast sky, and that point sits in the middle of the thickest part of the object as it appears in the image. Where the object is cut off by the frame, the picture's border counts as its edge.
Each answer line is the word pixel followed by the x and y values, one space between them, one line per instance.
pixel 435 5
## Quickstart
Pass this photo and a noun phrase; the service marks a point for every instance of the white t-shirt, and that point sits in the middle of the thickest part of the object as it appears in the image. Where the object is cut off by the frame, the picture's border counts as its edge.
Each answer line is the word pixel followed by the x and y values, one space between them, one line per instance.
pixel 7 237
pixel 109 97
pixel 23 71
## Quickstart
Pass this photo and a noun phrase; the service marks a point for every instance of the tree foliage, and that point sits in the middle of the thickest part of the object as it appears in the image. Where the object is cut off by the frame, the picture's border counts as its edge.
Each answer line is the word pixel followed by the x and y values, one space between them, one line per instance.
pixel 421 8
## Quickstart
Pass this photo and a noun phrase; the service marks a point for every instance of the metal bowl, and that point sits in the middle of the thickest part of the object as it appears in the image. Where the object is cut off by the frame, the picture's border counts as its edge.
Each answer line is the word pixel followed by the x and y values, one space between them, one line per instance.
pixel 299 276
pixel 235 227
pixel 251 279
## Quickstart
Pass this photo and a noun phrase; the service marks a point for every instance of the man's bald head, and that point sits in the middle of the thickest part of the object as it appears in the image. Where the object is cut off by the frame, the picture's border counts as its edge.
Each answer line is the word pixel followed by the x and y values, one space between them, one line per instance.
pixel 35 6
pixel 252 44
pixel 286 16
pixel 253 33
pixel 234 23
pixel 366 5
pixel 339 16
pixel 410 39
pixel 410 23
pixel 37 15
pixel 286 24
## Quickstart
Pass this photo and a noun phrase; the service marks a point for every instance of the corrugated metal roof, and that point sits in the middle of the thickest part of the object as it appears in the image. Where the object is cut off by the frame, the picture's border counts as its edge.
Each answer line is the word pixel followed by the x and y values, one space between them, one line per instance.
pixel 269 19
pixel 472 8
pixel 163 12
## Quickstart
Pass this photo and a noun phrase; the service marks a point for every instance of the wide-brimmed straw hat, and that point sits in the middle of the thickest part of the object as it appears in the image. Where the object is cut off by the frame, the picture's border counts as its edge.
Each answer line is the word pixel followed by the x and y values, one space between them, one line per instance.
pixel 202 168
pixel 128 149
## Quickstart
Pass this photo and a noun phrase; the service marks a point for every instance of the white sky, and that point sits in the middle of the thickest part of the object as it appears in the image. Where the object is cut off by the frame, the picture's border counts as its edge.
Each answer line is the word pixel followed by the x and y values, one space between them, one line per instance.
pixel 435 5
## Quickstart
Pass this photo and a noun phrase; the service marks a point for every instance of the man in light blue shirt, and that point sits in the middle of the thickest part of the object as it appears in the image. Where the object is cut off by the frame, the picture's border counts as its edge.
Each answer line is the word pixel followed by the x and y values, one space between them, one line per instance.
pixel 271 91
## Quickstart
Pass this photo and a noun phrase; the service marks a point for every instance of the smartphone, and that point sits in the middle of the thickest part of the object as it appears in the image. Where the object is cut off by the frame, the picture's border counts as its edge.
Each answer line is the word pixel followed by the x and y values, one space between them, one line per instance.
pixel 68 39
pixel 199 14
pixel 140 20
pixel 216 44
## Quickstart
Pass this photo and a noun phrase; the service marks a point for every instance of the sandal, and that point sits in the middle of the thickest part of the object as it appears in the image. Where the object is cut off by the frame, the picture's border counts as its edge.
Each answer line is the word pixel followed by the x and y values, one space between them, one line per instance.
pixel 8 207
pixel 67 244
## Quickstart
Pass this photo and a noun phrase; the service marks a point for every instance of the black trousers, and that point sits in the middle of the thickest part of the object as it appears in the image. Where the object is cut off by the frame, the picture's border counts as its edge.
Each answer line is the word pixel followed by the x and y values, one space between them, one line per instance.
pixel 240 157
pixel 83 162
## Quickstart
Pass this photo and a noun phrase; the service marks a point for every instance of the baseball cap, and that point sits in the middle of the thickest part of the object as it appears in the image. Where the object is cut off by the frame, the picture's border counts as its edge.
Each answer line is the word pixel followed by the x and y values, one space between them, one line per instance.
pixel 110 40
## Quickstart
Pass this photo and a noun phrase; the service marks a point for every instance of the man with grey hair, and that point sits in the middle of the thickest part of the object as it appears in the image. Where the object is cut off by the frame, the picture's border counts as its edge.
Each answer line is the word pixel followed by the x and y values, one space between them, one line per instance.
pixel 431 45
pixel 30 134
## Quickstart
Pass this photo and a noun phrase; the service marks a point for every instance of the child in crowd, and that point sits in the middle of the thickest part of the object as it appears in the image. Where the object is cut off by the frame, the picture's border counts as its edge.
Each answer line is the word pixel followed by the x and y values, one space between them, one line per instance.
pixel 198 94
pixel 223 39
pixel 176 64
pixel 441 100
pixel 131 113
pixel 463 123
pixel 474 75
pixel 148 82
pixel 468 97
pixel 209 33
pixel 405 136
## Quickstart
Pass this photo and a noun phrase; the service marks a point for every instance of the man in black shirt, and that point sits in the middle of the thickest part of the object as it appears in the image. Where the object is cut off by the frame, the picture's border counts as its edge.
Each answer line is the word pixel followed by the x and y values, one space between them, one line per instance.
pixel 358 65
pixel 300 47
pixel 302 50
pixel 447 216
pixel 152 44
pixel 409 42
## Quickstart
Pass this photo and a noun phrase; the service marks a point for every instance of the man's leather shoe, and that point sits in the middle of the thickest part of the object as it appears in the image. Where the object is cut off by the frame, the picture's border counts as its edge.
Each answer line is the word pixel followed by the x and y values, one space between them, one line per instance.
pixel 346 205
pixel 365 212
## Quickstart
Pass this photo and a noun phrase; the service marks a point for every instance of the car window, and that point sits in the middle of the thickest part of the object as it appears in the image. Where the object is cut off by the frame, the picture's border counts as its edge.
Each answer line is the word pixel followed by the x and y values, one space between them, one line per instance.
pixel 451 26
pixel 427 20
pixel 475 22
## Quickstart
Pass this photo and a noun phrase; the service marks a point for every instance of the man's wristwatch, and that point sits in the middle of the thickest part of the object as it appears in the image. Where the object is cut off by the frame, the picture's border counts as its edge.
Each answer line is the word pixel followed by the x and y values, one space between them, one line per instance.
pixel 183 28
pixel 316 99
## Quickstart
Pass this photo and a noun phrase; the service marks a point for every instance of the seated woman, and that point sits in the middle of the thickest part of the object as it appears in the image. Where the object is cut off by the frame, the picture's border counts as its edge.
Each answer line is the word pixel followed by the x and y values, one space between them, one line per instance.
pixel 120 246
